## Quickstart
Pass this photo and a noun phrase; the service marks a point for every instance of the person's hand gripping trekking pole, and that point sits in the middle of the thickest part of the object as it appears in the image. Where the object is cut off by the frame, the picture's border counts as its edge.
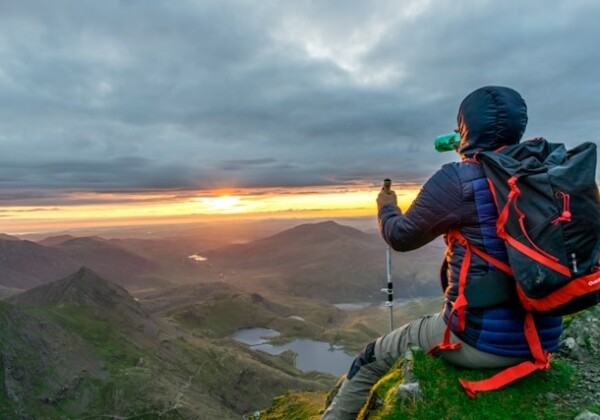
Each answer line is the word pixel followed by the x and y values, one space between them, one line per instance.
pixel 387 195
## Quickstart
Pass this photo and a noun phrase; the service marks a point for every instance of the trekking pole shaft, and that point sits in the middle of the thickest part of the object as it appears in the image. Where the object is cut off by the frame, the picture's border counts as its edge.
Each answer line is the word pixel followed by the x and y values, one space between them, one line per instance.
pixel 390 287
pixel 387 187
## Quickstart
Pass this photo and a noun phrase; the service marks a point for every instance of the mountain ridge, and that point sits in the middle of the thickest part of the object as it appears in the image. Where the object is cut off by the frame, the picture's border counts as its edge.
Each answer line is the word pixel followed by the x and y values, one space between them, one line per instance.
pixel 25 264
pixel 329 261
pixel 55 240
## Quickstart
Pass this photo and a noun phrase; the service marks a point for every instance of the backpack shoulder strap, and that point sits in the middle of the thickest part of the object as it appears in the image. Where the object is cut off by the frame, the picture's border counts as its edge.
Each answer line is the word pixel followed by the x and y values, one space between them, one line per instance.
pixel 460 304
pixel 541 359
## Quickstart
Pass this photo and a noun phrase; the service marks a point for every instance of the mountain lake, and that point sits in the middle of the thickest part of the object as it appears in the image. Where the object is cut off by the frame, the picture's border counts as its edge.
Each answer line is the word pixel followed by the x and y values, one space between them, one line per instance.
pixel 311 354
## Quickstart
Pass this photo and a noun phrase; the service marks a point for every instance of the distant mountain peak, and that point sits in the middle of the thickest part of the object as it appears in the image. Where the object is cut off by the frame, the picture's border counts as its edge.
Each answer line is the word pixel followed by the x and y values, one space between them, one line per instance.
pixel 324 230
pixel 326 223
pixel 85 240
pixel 87 275
pixel 56 240
pixel 5 237
pixel 82 288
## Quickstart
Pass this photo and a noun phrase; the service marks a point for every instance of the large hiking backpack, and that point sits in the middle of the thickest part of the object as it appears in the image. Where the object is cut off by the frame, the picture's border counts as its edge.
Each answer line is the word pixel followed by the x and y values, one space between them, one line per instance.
pixel 549 217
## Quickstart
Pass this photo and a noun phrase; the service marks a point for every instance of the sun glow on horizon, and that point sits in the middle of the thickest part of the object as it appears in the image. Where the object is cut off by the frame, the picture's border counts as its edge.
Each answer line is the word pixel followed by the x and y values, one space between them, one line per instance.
pixel 226 204
pixel 354 201
pixel 140 209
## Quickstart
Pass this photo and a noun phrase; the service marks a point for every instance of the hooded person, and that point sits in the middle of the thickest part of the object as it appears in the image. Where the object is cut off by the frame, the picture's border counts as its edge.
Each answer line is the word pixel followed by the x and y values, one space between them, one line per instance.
pixel 455 199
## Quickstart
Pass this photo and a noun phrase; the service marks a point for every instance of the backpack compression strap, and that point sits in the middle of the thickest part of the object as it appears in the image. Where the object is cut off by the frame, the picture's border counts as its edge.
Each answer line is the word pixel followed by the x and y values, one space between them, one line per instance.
pixel 576 288
pixel 534 252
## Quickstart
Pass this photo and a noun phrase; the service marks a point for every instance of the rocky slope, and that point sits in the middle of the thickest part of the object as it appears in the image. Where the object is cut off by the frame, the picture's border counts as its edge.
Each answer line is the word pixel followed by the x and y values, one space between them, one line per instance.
pixel 580 345
pixel 86 289
pixel 83 347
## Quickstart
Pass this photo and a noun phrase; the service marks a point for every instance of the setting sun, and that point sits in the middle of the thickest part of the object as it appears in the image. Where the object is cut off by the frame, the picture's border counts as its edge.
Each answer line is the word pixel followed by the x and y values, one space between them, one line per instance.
pixel 223 204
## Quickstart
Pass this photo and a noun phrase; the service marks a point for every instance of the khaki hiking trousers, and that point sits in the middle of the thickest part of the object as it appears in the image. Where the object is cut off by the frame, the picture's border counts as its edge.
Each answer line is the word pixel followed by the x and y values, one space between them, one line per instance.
pixel 425 333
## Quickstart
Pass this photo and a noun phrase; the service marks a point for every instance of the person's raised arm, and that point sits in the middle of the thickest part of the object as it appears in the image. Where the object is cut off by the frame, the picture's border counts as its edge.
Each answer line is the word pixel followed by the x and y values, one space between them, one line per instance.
pixel 435 211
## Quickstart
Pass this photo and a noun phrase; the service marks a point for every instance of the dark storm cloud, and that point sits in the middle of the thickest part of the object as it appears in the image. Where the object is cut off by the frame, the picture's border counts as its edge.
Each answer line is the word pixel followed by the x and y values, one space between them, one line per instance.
pixel 158 95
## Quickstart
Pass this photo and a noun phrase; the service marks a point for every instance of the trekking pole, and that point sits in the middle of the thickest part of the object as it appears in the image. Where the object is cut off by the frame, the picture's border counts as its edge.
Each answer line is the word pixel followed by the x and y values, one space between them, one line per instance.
pixel 390 287
pixel 387 185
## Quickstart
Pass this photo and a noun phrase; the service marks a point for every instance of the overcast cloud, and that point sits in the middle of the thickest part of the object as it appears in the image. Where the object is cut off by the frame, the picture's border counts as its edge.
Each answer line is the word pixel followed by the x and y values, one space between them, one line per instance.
pixel 185 95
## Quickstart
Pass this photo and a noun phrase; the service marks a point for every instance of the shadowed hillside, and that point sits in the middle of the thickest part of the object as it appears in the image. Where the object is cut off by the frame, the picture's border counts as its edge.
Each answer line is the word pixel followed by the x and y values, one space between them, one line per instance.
pixel 329 261
pixel 108 260
pixel 322 260
pixel 85 289
pixel 83 347
pixel 299 245
pixel 25 264
pixel 165 300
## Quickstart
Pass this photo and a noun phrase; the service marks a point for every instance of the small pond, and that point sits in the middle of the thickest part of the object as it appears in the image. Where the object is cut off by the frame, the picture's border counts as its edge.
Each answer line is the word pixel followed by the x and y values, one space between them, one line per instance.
pixel 311 354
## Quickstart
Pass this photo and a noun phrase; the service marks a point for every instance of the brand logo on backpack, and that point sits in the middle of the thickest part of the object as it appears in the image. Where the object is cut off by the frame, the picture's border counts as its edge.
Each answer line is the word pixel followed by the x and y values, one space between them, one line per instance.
pixel 539 279
pixel 594 282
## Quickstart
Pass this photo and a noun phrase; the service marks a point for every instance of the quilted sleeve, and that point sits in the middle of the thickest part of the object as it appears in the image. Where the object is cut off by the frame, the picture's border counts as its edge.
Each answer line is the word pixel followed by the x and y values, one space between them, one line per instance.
pixel 435 211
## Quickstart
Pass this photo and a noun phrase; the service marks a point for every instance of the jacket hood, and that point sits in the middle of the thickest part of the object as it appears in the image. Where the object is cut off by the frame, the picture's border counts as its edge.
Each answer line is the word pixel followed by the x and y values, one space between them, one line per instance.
pixel 491 117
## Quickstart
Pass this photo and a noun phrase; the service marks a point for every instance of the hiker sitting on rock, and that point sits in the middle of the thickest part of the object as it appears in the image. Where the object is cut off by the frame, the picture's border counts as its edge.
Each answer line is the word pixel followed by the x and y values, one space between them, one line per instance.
pixel 455 202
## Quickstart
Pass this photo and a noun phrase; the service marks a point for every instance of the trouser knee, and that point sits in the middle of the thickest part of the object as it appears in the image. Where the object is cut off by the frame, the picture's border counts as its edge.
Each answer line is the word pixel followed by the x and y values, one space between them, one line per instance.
pixel 364 358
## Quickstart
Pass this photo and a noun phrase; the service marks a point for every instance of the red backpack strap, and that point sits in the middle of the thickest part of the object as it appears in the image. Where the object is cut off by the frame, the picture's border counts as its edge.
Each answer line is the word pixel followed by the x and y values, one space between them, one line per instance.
pixel 576 288
pixel 541 361
pixel 534 252
pixel 460 304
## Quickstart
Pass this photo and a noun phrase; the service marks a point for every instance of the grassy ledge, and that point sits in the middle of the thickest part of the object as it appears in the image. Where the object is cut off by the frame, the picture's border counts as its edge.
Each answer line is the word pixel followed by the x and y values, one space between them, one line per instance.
pixel 444 398
pixel 542 395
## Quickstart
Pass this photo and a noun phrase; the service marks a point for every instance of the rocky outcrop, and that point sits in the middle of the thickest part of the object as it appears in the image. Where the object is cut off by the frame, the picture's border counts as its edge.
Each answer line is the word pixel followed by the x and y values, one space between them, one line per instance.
pixel 33 357
pixel 581 338
pixel 580 345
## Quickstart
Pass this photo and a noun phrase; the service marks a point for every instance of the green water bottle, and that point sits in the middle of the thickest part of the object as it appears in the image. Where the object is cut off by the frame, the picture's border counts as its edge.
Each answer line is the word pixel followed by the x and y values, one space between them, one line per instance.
pixel 447 142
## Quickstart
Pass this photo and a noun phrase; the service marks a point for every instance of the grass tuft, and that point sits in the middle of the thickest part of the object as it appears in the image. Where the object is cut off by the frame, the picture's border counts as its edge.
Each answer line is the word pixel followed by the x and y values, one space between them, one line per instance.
pixel 296 406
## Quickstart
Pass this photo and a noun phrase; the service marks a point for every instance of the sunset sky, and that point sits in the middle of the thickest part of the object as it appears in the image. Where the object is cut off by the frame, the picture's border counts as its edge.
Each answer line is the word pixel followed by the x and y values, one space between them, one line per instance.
pixel 128 112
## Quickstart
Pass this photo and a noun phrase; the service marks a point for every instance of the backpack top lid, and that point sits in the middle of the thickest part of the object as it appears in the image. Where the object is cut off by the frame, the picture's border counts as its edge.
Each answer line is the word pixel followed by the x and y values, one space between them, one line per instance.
pixel 491 117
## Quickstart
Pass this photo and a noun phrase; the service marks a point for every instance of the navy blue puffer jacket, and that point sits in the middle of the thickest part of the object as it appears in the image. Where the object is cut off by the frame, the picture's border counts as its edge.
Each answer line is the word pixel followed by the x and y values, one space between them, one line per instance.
pixel 458 197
